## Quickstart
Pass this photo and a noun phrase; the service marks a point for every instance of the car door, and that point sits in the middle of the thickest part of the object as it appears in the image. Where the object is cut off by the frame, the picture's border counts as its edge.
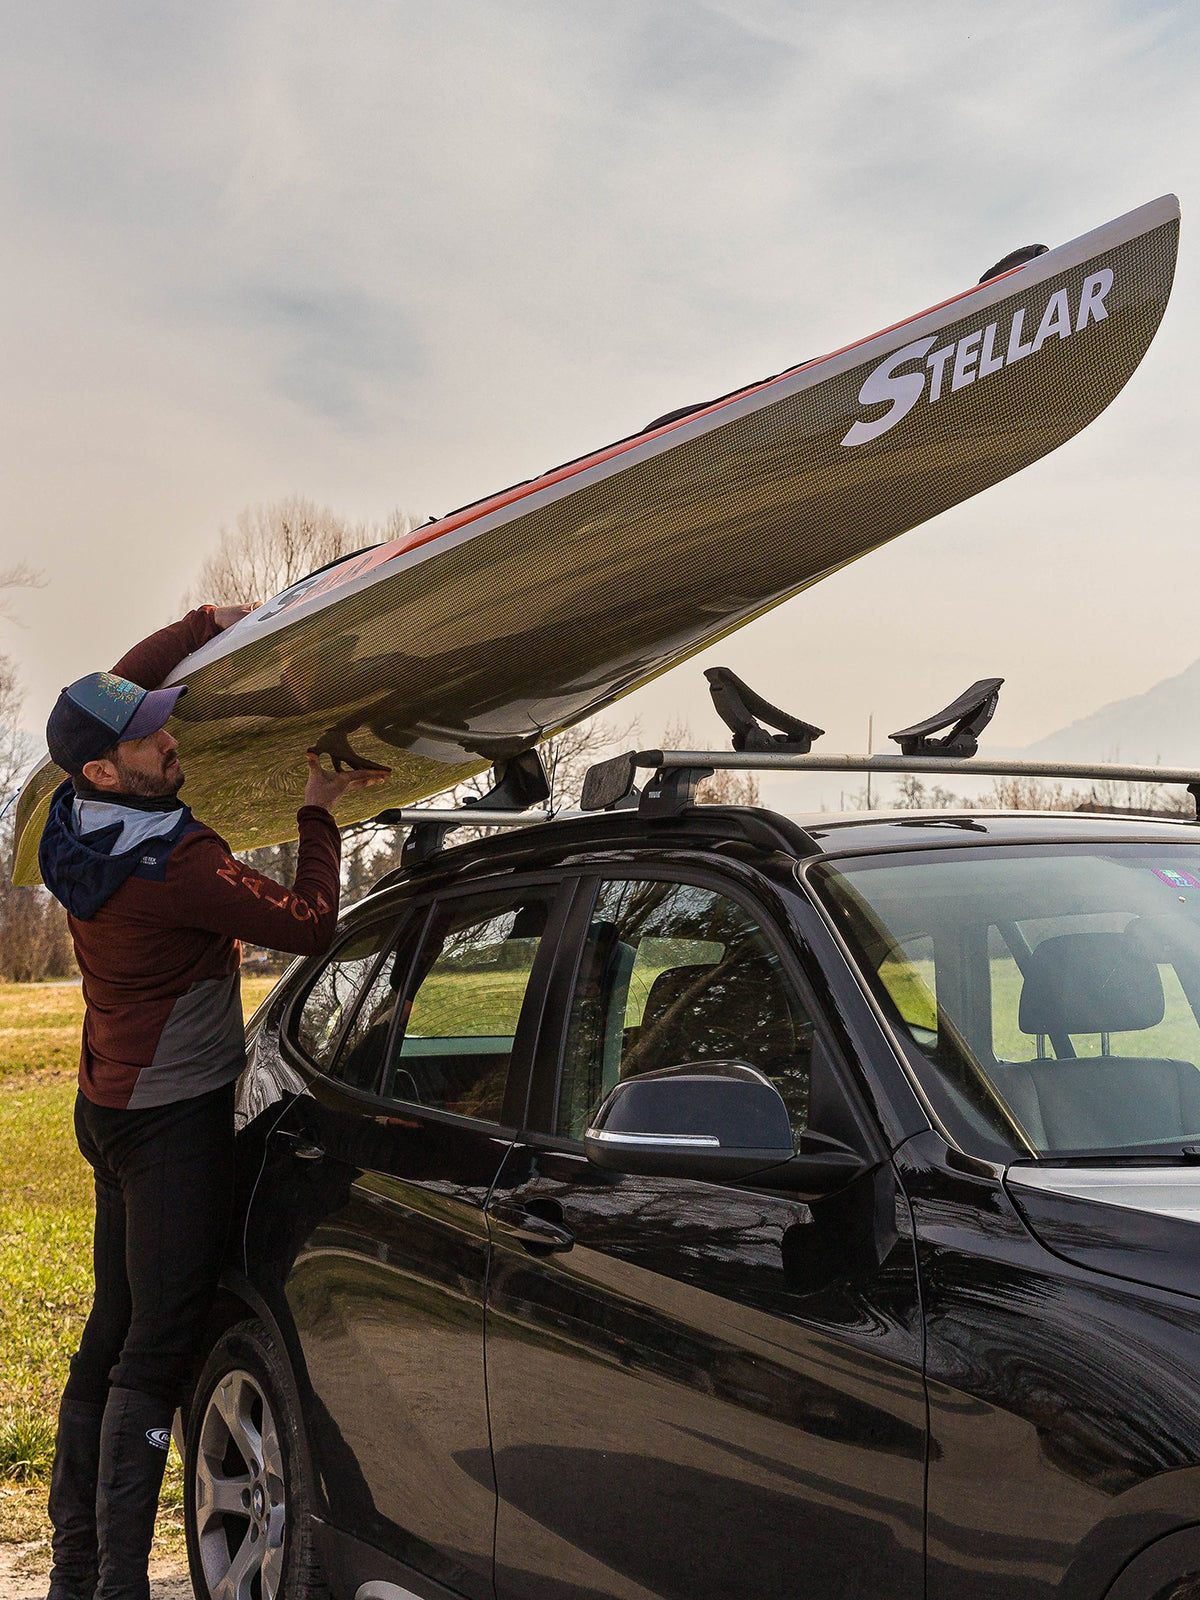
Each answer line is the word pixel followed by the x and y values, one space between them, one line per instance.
pixel 388 1161
pixel 697 1390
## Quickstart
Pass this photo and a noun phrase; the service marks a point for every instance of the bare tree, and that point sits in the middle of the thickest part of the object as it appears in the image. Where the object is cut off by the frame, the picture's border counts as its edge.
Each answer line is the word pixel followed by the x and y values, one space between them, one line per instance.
pixel 271 546
pixel 14 746
pixel 1138 799
pixel 1024 792
pixel 566 756
pixel 371 850
pixel 19 576
pixel 1106 794
pixel 913 795
pixel 34 939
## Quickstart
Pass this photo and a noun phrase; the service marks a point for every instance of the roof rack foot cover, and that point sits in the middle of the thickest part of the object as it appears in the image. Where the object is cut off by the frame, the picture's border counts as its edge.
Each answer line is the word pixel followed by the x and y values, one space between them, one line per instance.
pixel 518 782
pixel 739 708
pixel 671 790
pixel 610 786
pixel 966 718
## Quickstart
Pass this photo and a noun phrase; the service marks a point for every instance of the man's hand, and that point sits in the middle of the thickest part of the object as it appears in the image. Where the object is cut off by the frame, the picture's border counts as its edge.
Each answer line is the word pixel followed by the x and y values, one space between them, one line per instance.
pixel 226 616
pixel 327 788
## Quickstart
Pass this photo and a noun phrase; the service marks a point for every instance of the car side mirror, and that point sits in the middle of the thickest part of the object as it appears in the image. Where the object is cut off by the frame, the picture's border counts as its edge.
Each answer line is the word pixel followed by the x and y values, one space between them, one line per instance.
pixel 717 1122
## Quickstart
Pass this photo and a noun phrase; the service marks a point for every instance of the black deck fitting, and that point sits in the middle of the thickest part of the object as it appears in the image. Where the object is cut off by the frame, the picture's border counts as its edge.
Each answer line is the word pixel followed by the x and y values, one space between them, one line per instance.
pixel 1015 258
pixel 611 785
pixel 334 744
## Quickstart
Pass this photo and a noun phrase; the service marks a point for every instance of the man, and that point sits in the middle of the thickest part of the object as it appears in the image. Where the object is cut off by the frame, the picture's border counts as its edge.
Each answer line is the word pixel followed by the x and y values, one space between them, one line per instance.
pixel 156 905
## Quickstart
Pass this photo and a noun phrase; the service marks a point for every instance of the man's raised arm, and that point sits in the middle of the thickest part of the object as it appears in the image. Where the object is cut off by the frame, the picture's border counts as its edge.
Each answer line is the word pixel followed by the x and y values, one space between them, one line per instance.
pixel 148 663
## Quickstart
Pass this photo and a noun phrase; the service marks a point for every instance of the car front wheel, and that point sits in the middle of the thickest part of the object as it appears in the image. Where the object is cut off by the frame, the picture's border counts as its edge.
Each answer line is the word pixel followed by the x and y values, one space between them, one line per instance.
pixel 245 1500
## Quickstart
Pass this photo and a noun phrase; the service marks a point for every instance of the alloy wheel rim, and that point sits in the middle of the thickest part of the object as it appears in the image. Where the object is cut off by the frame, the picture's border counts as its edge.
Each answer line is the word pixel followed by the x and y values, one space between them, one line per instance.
pixel 238 1492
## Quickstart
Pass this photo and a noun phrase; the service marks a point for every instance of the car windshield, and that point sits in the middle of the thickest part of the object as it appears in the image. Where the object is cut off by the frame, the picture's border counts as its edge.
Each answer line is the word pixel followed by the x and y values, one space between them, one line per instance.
pixel 1046 996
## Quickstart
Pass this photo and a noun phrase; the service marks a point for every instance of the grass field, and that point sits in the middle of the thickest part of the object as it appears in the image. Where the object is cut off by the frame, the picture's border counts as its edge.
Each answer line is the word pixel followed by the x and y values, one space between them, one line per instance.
pixel 45 1242
pixel 912 986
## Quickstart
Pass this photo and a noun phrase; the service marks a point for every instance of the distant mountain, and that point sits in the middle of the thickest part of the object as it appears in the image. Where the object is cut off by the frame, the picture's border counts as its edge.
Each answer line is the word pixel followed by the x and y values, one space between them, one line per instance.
pixel 1160 727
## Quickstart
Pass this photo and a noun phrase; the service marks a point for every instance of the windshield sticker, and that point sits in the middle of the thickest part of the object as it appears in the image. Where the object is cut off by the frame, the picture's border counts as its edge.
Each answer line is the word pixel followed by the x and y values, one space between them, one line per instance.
pixel 1177 880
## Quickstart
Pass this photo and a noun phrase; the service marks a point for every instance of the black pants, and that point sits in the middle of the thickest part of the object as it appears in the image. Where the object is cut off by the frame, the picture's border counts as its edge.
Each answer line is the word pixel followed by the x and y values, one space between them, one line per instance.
pixel 164 1199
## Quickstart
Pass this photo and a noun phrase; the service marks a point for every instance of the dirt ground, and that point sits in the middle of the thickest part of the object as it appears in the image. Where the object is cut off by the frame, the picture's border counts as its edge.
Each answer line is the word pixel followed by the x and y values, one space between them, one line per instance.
pixel 24 1569
pixel 25 1548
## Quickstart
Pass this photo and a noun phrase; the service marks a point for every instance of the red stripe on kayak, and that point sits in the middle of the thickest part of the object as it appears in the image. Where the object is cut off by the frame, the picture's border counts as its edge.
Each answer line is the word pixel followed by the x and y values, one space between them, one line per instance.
pixel 370 559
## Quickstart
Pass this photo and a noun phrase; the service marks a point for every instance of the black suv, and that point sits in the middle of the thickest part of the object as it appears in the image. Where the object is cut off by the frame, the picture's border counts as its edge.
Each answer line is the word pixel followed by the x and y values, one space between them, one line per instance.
pixel 711 1208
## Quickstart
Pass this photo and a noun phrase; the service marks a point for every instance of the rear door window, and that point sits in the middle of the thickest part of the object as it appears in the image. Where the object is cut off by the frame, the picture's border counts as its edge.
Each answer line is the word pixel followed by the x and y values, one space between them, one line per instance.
pixel 332 996
pixel 458 1027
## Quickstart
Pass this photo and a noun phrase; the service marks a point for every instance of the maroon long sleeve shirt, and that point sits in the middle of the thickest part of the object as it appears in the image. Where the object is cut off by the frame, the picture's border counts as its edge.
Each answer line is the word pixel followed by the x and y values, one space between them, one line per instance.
pixel 160 956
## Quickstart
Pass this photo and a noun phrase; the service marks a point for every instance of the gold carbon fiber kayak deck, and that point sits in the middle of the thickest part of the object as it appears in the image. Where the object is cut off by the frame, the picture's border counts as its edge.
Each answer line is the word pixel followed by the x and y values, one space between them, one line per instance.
pixel 482 633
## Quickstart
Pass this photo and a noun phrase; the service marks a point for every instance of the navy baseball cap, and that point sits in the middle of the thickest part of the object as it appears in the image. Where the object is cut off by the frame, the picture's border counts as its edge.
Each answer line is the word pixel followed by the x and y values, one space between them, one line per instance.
pixel 94 713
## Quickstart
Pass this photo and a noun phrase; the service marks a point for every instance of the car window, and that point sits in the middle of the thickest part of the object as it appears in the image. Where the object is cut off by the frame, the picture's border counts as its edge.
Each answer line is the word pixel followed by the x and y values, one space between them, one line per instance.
pixel 453 1048
pixel 333 993
pixel 360 1057
pixel 1049 996
pixel 674 973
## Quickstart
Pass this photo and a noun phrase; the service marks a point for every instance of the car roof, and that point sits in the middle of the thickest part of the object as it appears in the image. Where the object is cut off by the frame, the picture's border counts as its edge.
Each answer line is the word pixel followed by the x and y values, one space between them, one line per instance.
pixel 743 832
pixel 739 829
pixel 893 830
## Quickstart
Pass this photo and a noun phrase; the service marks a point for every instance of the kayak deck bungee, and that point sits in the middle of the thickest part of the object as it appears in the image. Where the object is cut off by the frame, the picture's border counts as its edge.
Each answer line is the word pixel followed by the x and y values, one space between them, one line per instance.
pixel 478 635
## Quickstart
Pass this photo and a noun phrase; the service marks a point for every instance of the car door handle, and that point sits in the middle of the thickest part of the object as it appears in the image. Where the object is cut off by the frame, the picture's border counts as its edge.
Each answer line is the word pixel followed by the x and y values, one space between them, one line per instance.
pixel 304 1148
pixel 535 1232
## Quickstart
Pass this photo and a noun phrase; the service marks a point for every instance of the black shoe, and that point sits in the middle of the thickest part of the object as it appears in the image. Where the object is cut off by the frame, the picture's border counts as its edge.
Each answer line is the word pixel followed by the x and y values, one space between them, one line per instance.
pixel 72 1505
pixel 134 1441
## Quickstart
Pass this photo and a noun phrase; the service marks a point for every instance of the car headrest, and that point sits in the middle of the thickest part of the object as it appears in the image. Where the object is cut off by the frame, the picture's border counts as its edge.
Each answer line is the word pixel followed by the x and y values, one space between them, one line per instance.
pixel 670 988
pixel 736 1010
pixel 1090 983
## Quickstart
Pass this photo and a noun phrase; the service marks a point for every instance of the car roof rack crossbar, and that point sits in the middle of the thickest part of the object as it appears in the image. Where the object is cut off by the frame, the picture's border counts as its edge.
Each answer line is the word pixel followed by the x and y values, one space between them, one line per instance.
pixel 739 708
pixel 965 717
pixel 676 772
pixel 518 783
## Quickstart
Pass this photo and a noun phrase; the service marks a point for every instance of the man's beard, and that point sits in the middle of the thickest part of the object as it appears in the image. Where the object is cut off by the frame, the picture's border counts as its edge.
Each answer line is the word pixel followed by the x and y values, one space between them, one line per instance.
pixel 147 785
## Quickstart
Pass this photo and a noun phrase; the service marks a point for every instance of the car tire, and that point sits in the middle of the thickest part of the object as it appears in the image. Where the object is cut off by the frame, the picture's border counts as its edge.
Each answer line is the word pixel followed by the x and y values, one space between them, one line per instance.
pixel 246 1502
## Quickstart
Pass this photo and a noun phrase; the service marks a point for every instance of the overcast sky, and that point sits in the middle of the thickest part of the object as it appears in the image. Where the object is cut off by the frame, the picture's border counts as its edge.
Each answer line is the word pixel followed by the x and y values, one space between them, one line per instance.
pixel 401 254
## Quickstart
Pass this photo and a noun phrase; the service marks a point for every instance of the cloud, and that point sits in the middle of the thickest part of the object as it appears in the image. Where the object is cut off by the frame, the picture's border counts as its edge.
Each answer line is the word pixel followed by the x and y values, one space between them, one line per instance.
pixel 703 60
pixel 329 347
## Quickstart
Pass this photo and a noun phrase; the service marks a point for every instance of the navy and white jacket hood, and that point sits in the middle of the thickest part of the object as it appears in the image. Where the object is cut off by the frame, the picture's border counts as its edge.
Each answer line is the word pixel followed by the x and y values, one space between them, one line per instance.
pixel 90 847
